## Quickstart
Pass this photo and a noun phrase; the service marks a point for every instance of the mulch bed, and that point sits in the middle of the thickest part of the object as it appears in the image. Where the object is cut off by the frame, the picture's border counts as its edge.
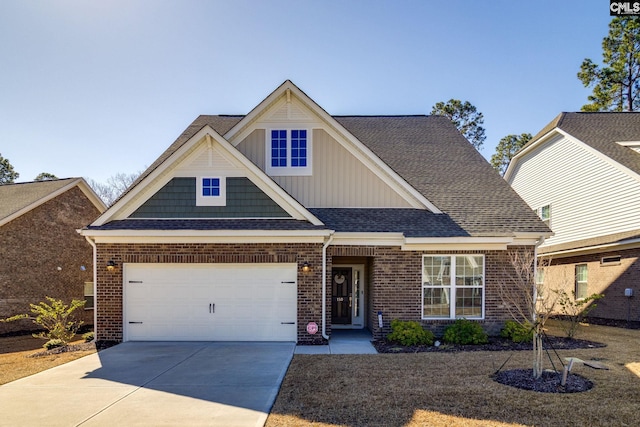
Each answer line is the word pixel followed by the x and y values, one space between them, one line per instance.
pixel 549 382
pixel 494 344
pixel 57 350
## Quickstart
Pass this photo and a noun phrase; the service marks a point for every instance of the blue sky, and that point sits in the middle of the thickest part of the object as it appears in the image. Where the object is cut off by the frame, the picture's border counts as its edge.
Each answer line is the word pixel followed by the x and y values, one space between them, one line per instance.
pixel 94 88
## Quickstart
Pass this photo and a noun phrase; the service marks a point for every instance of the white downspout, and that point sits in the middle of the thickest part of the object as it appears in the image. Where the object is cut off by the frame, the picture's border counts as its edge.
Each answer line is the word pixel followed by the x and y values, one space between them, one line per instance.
pixel 324 287
pixel 95 286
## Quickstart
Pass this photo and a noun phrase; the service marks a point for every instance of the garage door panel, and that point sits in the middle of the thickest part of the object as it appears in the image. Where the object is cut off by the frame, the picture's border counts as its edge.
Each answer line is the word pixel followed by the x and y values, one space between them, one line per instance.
pixel 238 302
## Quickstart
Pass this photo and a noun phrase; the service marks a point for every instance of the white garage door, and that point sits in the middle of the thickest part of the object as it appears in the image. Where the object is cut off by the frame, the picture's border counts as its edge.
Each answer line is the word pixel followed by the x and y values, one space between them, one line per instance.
pixel 210 302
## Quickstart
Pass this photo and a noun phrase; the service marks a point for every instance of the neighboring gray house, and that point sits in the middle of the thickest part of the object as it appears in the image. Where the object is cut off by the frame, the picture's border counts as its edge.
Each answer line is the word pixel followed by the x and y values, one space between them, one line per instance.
pixel 41 252
pixel 581 174
pixel 288 222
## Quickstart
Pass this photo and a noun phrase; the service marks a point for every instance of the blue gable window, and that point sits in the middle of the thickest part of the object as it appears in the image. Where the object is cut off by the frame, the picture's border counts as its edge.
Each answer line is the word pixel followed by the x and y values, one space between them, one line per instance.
pixel 211 191
pixel 211 187
pixel 288 152
pixel 278 148
pixel 298 148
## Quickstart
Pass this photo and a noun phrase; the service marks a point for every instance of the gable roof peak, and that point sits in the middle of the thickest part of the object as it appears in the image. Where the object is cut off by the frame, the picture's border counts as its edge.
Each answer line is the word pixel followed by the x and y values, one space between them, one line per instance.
pixel 19 198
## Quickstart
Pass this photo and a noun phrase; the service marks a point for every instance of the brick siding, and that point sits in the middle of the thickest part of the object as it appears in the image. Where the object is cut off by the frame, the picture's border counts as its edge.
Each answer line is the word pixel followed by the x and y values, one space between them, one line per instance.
pixel 109 298
pixel 394 280
pixel 34 245
pixel 395 286
pixel 610 280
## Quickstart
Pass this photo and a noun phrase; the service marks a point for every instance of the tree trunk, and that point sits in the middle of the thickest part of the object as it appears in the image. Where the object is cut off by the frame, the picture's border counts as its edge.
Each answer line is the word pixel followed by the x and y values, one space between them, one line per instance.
pixel 537 355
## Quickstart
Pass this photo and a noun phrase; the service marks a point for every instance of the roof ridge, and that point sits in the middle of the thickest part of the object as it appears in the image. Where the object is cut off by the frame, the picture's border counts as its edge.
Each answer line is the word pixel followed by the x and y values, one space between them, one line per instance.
pixel 382 115
pixel 39 182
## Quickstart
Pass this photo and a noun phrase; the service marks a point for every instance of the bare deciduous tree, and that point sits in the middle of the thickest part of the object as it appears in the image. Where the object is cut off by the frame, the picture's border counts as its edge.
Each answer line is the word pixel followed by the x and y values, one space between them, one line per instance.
pixel 527 300
pixel 114 187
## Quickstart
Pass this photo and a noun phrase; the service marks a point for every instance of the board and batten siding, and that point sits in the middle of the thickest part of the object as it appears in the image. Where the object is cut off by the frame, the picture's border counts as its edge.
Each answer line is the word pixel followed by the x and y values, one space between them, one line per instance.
pixel 339 178
pixel 589 196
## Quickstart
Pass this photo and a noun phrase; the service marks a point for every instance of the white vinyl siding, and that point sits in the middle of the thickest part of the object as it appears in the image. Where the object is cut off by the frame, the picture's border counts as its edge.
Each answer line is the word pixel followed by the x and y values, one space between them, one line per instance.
pixel 590 196
pixel 339 178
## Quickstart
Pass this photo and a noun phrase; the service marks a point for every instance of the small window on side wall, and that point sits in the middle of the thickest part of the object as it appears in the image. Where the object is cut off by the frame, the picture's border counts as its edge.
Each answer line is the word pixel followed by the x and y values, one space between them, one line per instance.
pixel 211 191
pixel 544 212
pixel 88 295
pixel 581 281
pixel 610 260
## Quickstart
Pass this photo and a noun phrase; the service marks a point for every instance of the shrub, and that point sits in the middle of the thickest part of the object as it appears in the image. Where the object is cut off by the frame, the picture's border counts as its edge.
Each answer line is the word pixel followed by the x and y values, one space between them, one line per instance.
pixel 55 317
pixel 573 311
pixel 464 331
pixel 409 333
pixel 89 336
pixel 517 332
pixel 54 344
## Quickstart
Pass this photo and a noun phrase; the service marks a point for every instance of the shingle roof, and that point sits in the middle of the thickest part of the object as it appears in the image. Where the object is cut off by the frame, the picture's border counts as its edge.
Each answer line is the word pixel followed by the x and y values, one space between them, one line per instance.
pixel 208 224
pixel 15 197
pixel 593 241
pixel 433 157
pixel 601 131
pixel 410 222
pixel 221 124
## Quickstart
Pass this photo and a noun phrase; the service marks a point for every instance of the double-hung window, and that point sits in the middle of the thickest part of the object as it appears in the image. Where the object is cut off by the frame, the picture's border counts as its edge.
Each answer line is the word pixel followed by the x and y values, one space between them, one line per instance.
pixel 288 152
pixel 88 295
pixel 581 281
pixel 452 286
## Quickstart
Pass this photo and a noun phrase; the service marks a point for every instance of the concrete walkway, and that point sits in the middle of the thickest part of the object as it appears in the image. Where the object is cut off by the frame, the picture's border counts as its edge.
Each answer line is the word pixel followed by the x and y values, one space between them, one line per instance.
pixel 343 341
pixel 153 384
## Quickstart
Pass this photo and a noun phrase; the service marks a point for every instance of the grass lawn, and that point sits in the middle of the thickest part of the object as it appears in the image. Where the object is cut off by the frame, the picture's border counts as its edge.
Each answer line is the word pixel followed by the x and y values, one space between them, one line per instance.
pixel 455 389
pixel 15 362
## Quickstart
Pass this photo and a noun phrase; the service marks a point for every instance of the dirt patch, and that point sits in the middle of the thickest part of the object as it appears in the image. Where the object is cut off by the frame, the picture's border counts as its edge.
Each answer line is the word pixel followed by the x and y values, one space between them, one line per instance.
pixel 17 351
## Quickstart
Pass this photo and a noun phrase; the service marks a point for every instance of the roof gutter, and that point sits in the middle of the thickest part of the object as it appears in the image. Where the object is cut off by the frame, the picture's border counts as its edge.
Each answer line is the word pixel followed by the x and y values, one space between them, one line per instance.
pixel 324 286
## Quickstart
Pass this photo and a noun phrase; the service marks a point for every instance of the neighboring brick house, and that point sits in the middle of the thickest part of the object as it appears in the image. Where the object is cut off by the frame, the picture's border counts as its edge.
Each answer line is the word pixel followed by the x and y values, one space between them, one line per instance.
pixel 42 253
pixel 581 173
pixel 287 223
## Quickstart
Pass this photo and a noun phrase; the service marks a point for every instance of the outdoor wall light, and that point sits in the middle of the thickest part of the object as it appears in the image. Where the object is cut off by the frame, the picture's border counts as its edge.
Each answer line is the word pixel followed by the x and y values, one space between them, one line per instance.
pixel 306 267
pixel 111 265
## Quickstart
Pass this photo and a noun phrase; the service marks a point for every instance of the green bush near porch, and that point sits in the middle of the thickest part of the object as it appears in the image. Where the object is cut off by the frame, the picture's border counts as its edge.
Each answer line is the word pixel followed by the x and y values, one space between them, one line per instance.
pixel 409 333
pixel 464 332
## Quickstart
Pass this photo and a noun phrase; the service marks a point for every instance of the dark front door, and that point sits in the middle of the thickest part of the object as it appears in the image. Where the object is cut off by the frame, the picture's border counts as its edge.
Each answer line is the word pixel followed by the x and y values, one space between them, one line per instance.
pixel 341 289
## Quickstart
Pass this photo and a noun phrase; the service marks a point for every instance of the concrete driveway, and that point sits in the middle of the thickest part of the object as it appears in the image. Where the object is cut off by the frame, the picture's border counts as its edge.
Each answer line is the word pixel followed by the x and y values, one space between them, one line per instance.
pixel 153 384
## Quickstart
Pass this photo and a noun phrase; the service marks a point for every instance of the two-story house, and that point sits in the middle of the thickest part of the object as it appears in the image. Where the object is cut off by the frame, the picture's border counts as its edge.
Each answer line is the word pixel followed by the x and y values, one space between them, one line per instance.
pixel 581 174
pixel 286 223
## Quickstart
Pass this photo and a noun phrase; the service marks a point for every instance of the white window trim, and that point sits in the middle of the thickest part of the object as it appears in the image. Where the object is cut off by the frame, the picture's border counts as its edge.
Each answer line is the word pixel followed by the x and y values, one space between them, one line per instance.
pixel 539 212
pixel 453 288
pixel 577 282
pixel 220 200
pixel 610 260
pixel 88 292
pixel 288 170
